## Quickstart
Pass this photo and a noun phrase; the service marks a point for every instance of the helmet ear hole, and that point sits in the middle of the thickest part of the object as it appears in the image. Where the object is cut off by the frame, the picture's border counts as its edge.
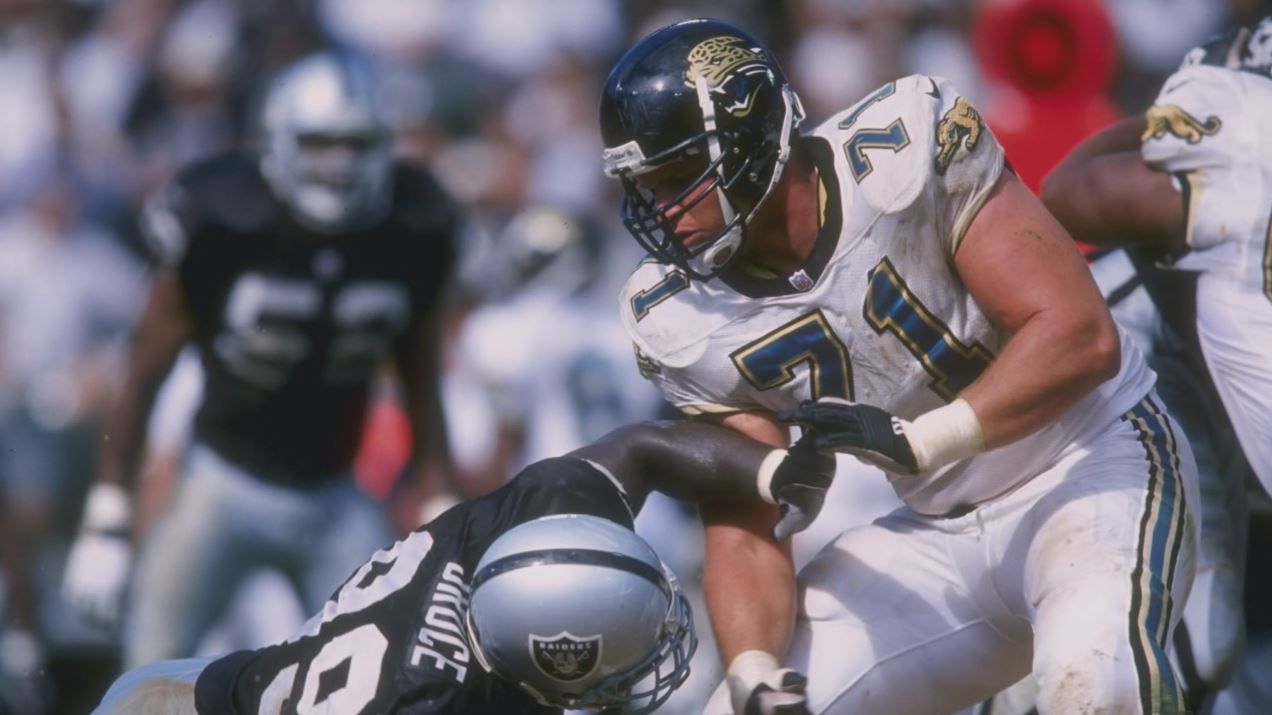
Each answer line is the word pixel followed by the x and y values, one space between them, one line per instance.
pixel 608 626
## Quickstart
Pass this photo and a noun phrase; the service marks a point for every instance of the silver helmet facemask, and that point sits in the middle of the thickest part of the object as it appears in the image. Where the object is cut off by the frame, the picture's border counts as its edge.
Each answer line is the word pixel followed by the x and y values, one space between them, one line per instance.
pixel 328 144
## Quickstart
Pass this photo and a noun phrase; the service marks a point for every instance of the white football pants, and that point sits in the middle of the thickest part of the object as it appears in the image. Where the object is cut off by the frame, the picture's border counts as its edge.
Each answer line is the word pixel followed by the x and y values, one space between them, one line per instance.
pixel 1078 576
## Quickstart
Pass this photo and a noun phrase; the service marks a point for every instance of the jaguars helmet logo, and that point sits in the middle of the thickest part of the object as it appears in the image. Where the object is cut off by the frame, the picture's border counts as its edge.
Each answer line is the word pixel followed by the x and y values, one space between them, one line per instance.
pixel 960 128
pixel 720 61
pixel 1171 119
pixel 566 657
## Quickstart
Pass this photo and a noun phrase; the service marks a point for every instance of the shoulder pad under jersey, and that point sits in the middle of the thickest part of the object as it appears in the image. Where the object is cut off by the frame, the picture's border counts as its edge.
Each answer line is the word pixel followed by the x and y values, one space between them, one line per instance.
pixel 658 311
pixel 669 316
pixel 226 192
pixel 918 136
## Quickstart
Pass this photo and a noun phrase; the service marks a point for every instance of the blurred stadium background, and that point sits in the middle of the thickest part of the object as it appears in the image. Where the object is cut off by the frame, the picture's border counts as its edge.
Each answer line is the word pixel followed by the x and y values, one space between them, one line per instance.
pixel 102 100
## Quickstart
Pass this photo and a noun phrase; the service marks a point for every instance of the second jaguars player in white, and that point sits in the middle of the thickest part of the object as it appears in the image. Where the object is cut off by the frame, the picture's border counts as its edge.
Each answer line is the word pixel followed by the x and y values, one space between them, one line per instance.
pixel 1188 179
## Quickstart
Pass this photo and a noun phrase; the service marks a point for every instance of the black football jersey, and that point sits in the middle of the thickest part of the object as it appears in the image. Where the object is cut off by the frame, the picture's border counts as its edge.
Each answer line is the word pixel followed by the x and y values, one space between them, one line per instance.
pixel 391 639
pixel 292 323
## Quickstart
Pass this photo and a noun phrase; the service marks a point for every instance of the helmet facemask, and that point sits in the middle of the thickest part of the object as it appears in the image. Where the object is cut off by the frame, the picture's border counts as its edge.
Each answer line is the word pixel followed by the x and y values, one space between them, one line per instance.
pixel 328 149
pixel 648 685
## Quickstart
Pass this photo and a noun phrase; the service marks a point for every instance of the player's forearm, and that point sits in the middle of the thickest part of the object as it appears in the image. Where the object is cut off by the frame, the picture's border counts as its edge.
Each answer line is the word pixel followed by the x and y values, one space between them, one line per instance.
pixel 749 585
pixel 124 437
pixel 694 461
pixel 1077 192
pixel 1021 268
pixel 419 362
pixel 1115 199
pixel 748 579
pixel 431 453
pixel 165 327
pixel 1079 199
pixel 1045 368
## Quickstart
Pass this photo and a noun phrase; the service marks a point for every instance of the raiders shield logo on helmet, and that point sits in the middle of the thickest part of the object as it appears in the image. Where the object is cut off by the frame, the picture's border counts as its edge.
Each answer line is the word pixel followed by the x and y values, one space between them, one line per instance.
pixel 566 657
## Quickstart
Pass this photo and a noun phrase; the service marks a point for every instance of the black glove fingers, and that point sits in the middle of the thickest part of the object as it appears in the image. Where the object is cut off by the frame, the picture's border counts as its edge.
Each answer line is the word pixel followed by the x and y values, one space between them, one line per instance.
pixel 794 682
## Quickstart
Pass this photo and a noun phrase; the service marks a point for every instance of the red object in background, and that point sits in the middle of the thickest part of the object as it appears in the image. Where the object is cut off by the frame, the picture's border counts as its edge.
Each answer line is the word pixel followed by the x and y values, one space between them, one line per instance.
pixel 386 447
pixel 1050 64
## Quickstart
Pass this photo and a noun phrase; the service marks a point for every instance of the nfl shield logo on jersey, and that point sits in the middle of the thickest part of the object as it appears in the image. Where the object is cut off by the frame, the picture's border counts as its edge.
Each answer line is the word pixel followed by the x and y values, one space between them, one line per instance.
pixel 801 281
pixel 566 657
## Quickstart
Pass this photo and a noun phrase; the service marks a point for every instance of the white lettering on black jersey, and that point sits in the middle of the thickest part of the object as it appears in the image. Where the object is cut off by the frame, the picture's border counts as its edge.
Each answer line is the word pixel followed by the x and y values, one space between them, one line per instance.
pixel 441 639
pixel 392 637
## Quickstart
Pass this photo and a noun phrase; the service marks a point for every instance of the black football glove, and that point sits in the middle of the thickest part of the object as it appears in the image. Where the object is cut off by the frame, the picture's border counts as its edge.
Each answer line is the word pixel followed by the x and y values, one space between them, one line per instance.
pixel 799 486
pixel 783 694
pixel 758 685
pixel 868 433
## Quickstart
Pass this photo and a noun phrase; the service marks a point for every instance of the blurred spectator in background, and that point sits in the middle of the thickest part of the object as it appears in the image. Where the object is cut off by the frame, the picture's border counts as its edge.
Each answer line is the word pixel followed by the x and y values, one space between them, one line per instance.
pixel 68 292
pixel 297 273
pixel 541 365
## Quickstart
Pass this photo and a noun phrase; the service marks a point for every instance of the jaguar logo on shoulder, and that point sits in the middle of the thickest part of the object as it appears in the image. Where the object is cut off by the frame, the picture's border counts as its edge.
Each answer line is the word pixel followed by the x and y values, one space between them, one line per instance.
pixel 564 656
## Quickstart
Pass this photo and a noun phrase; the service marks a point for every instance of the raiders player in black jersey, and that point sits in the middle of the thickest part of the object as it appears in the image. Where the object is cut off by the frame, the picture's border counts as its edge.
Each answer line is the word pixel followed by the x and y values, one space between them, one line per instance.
pixel 566 611
pixel 297 274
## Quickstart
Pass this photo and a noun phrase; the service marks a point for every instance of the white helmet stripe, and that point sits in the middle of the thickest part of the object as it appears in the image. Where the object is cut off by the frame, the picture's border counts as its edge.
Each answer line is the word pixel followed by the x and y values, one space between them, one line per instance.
pixel 723 248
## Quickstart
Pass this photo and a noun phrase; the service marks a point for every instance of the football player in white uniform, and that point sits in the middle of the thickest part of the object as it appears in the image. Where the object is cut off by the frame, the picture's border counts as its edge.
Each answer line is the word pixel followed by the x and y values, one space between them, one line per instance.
pixel 886 277
pixel 1202 141
pixel 1188 179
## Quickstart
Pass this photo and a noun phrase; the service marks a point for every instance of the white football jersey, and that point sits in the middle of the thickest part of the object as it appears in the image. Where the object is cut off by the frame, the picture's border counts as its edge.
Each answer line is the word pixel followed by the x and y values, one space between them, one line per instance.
pixel 1208 127
pixel 877 314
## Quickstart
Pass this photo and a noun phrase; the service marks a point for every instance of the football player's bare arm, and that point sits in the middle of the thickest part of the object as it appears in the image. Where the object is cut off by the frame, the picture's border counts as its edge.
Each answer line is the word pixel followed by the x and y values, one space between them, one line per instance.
pixel 693 461
pixel 1104 193
pixel 418 358
pixel 748 579
pixel 99 559
pixel 165 327
pixel 1025 273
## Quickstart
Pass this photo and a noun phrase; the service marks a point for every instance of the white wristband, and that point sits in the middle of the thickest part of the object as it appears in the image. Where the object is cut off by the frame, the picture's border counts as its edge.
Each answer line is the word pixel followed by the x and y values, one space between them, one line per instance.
pixel 764 477
pixel 107 508
pixel 945 435
pixel 749 669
